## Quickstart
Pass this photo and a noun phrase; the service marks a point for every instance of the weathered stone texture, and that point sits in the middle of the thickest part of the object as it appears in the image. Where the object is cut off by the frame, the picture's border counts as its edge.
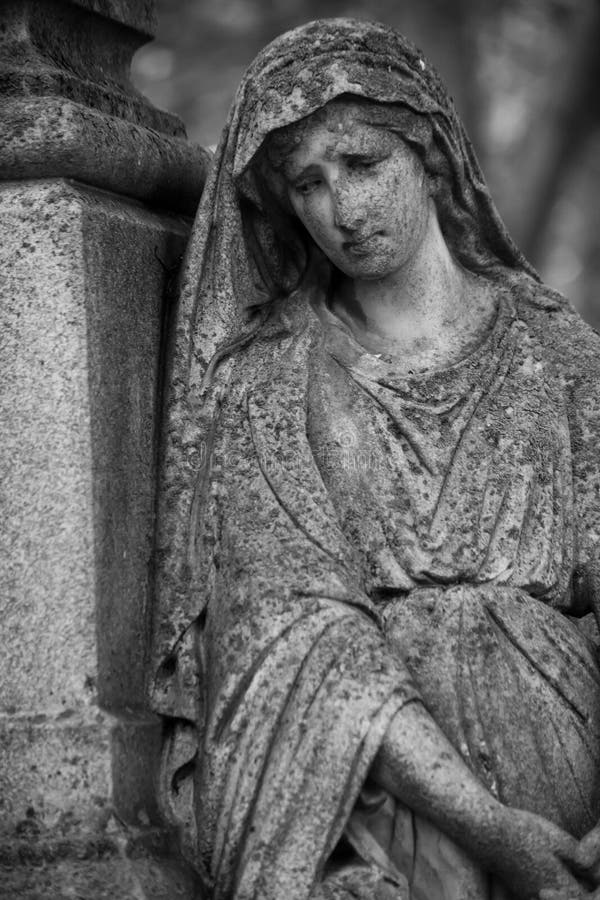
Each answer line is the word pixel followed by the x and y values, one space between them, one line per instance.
pixel 61 834
pixel 379 514
pixel 47 537
pixel 52 137
pixel 69 108
pixel 65 49
pixel 94 180
pixel 81 321
pixel 55 773
pixel 138 14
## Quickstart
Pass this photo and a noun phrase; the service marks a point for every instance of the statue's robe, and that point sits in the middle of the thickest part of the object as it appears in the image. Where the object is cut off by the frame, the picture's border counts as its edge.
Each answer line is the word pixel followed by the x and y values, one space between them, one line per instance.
pixel 372 540
pixel 466 495
pixel 298 684
pixel 292 595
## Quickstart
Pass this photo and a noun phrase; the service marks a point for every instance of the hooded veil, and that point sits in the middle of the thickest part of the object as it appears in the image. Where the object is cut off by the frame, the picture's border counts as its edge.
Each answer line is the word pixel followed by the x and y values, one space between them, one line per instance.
pixel 264 636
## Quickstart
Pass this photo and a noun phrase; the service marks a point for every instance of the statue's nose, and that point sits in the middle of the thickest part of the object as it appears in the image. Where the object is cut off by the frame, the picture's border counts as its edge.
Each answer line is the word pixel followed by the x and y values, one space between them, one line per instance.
pixel 348 210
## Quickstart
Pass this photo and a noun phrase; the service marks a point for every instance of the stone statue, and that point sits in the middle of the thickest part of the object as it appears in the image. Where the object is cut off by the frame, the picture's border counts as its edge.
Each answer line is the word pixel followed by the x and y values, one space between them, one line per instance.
pixel 380 512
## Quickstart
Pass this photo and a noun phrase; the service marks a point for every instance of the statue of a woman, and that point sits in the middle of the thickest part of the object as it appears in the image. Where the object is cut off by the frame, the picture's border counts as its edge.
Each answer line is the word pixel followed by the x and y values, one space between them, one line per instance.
pixel 380 512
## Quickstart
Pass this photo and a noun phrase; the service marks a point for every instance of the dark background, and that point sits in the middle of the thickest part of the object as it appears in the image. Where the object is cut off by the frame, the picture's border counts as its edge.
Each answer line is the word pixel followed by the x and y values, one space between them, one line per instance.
pixel 524 75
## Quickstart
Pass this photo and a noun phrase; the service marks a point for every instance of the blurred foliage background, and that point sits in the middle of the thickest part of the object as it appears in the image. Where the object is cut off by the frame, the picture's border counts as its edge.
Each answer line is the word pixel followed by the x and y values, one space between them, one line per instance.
pixel 524 75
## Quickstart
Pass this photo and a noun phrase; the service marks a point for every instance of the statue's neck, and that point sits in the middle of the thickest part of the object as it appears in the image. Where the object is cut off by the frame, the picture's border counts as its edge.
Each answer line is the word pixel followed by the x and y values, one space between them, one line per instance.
pixel 427 314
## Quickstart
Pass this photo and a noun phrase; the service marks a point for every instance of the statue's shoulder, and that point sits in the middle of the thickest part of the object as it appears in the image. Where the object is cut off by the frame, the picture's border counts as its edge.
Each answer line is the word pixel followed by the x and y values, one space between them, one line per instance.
pixel 570 342
pixel 280 345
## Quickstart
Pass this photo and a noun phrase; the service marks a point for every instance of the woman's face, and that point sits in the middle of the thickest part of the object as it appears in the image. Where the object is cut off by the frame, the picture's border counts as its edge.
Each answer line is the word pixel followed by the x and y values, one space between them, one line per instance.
pixel 359 190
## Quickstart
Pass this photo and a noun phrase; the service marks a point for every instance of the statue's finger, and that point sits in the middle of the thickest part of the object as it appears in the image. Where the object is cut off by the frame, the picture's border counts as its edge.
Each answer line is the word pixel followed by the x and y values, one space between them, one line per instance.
pixel 592 837
pixel 587 854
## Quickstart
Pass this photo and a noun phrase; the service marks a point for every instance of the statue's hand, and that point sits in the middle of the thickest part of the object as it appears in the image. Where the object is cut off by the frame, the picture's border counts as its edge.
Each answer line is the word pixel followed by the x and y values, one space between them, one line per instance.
pixel 587 855
pixel 539 861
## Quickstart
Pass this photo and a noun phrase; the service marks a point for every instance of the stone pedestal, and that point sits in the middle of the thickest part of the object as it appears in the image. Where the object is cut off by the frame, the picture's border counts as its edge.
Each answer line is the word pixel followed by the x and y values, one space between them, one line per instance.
pixel 94 208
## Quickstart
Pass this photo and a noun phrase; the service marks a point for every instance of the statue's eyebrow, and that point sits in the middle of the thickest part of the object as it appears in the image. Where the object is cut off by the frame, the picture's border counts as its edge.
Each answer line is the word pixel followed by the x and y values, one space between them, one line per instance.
pixel 295 173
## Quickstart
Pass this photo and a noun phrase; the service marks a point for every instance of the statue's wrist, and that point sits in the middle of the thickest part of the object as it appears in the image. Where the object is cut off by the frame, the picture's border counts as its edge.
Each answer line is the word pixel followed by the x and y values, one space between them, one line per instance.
pixel 496 838
pixel 480 829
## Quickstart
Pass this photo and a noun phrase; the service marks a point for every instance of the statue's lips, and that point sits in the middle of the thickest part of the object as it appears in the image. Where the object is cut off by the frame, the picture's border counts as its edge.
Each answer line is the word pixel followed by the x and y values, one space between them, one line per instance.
pixel 361 246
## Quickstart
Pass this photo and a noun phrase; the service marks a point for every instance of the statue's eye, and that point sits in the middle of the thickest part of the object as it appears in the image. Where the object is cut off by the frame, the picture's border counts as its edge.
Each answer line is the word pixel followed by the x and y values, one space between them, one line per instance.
pixel 307 186
pixel 361 163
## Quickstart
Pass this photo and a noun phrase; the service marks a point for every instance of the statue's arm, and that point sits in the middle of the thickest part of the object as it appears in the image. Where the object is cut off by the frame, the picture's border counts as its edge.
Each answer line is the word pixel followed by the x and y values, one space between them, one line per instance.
pixel 418 765
pixel 581 360
pixel 580 357
pixel 298 683
pixel 573 348
pixel 576 349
